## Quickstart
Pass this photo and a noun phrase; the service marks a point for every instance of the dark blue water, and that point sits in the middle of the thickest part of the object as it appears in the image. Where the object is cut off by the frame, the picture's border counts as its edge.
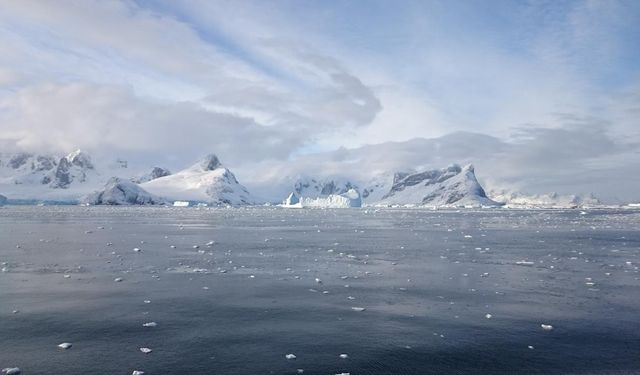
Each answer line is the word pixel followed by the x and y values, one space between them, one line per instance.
pixel 426 279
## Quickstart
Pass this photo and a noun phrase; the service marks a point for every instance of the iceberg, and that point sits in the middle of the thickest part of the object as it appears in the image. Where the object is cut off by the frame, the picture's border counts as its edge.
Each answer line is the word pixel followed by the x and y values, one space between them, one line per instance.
pixel 349 199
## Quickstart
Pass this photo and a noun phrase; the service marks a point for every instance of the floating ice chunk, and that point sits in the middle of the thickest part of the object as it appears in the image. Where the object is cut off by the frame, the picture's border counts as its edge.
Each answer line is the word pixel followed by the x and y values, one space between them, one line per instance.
pixel 344 373
pixel 344 356
pixel 65 345
pixel 146 301
pixel 146 350
pixel 11 371
pixel 358 309
pixel 150 324
pixel 136 249
pixel 318 281
pixel 137 372
pixel 530 347
pixel 290 356
pixel 546 327
pixel 210 243
pixel 488 316
pixel 524 263
pixel 118 279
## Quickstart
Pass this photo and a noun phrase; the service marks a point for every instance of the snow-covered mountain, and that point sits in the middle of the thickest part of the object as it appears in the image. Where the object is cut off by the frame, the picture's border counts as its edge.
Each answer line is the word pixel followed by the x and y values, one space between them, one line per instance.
pixel 206 181
pixel 118 191
pixel 25 168
pixel 29 177
pixel 549 200
pixel 451 186
pixel 48 177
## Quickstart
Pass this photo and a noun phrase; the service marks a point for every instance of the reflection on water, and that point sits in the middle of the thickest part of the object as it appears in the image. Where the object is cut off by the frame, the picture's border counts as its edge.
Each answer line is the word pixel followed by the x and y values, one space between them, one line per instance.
pixel 235 290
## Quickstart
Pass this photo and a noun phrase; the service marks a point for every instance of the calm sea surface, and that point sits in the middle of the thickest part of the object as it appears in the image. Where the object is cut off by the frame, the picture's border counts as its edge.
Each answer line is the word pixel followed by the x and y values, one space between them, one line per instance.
pixel 233 291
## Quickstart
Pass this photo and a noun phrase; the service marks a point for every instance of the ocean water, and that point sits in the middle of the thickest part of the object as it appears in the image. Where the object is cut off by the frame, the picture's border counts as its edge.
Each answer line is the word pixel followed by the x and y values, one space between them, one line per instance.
pixel 443 292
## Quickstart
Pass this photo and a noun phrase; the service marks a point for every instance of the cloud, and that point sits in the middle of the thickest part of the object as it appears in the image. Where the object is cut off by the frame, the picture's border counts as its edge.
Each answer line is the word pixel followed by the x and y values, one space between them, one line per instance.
pixel 111 120
pixel 546 87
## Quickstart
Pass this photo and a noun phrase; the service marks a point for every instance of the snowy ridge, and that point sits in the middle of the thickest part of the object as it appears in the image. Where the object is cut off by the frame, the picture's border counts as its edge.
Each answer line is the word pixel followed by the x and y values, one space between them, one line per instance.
pixel 156 172
pixel 206 181
pixel 453 186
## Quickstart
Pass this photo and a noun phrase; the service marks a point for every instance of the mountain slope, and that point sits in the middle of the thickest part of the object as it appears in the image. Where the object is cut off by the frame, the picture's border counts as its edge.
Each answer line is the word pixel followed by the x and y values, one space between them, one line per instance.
pixel 206 181
pixel 451 186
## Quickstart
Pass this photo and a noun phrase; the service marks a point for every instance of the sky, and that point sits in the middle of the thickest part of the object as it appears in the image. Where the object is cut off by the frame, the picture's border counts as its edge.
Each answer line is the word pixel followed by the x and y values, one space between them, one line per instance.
pixel 539 95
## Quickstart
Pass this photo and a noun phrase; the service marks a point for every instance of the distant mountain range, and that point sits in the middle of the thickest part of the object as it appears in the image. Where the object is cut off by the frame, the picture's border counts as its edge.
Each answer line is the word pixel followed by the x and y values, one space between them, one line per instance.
pixel 74 178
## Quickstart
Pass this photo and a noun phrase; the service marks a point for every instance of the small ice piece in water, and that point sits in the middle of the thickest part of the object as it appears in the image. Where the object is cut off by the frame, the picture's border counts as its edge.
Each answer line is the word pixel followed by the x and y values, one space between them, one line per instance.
pixel 147 301
pixel 530 347
pixel 67 276
pixel 344 373
pixel 358 309
pixel 11 371
pixel 546 327
pixel 290 356
pixel 150 324
pixel 146 350
pixel 210 243
pixel 136 249
pixel 118 279
pixel 488 316
pixel 137 372
pixel 318 281
pixel 344 356
pixel 65 345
